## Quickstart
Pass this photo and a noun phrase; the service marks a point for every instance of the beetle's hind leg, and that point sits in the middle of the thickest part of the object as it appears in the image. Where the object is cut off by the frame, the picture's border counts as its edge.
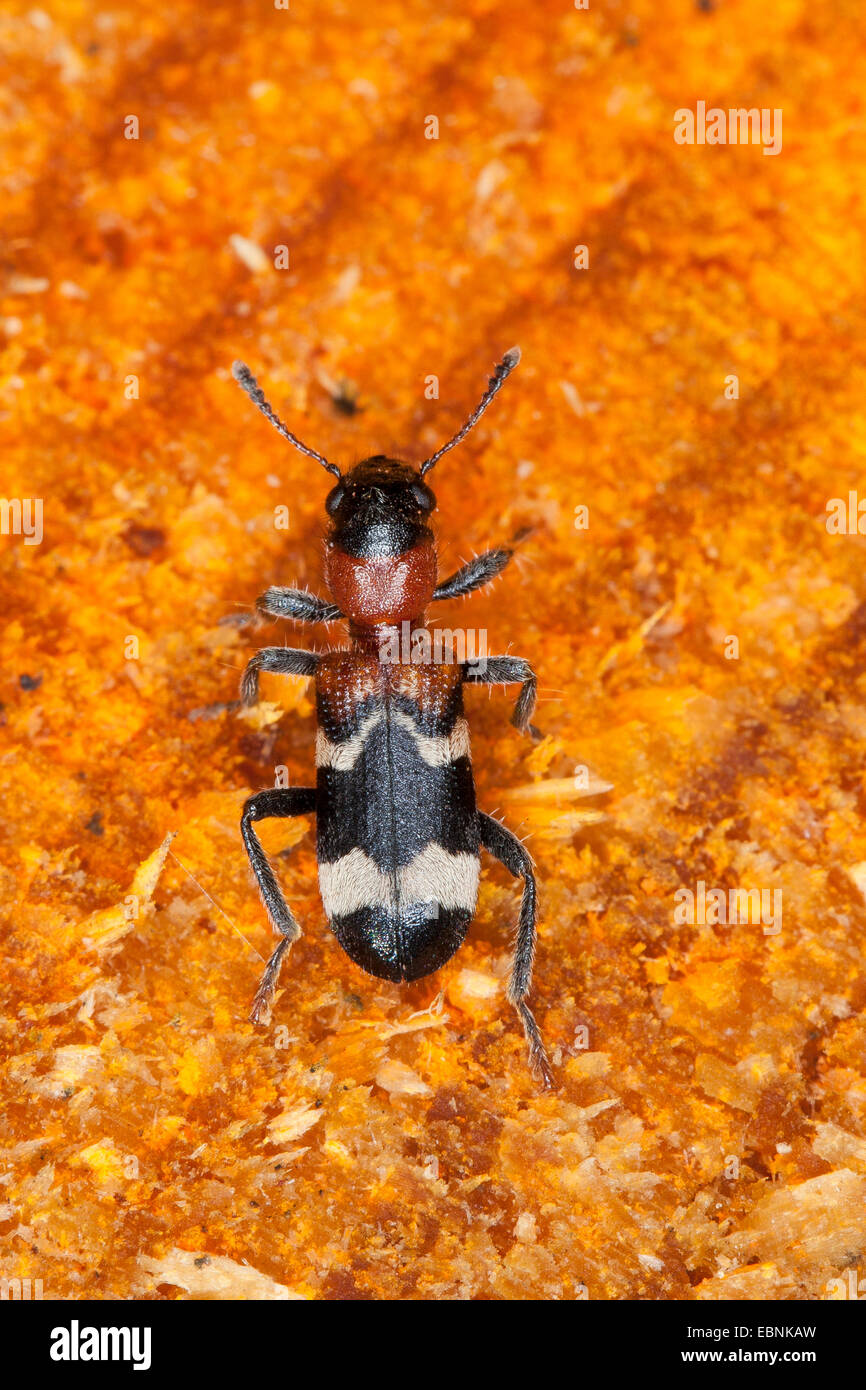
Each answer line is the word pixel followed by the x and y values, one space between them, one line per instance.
pixel 505 846
pixel 277 801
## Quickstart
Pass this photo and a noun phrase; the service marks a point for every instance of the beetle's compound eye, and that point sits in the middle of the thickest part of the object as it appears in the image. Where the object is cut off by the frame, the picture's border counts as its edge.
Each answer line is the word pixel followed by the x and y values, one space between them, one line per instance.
pixel 423 495
pixel 334 498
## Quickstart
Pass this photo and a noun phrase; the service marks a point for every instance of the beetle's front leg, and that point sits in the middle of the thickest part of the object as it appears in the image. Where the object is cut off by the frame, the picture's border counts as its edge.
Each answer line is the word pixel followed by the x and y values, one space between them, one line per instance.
pixel 505 670
pixel 475 574
pixel 276 602
pixel 296 603
pixel 277 801
pixel 283 661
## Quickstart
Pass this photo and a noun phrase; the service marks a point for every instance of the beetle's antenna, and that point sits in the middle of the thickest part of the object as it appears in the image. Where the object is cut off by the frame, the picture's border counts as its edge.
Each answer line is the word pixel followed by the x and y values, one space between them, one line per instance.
pixel 504 369
pixel 247 382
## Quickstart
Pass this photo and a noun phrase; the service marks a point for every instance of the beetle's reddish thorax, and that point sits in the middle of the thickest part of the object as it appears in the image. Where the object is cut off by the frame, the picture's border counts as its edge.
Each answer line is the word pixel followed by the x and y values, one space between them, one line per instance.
pixel 382 589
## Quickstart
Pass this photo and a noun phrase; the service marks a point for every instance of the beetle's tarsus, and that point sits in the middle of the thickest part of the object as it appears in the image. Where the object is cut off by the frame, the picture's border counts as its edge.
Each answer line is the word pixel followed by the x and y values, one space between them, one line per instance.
pixel 539 1062
pixel 250 687
pixel 260 1013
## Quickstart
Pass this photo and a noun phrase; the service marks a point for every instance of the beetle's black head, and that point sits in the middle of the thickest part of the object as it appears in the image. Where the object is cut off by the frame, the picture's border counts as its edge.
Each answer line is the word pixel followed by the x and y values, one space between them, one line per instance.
pixel 380 508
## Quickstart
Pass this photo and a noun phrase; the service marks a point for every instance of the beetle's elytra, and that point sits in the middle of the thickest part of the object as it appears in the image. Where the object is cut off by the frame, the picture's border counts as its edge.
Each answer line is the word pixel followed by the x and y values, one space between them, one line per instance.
pixel 398 830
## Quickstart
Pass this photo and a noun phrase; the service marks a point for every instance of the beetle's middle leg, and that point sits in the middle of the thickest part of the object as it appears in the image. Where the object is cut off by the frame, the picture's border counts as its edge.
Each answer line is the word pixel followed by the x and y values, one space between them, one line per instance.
pixel 499 841
pixel 296 603
pixel 505 670
pixel 276 801
pixel 284 661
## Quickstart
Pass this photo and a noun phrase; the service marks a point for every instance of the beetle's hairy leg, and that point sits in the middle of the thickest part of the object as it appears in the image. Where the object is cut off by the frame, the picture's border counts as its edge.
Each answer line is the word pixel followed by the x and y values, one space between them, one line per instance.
pixel 277 801
pixel 283 661
pixel 481 570
pixel 507 670
pixel 304 607
pixel 505 846
pixel 475 574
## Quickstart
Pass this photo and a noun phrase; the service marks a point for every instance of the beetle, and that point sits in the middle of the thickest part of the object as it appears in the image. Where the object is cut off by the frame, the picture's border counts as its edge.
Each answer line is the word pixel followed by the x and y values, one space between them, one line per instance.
pixel 398 830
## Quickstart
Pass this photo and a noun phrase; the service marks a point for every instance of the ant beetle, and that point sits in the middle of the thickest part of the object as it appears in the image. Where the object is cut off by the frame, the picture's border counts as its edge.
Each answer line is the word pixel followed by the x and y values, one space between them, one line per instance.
pixel 398 830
